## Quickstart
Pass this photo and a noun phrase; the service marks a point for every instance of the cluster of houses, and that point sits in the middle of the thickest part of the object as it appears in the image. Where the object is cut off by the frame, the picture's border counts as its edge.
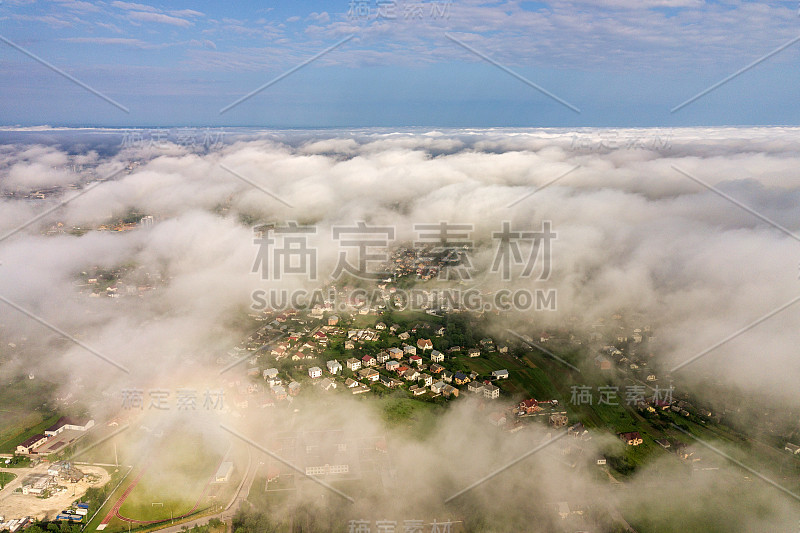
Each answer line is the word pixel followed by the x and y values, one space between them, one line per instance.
pixel 414 364
pixel 397 366
pixel 277 388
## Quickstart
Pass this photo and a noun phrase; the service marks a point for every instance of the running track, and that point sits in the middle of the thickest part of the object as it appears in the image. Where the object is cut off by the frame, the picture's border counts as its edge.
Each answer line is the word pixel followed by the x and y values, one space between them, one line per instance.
pixel 115 509
pixel 114 512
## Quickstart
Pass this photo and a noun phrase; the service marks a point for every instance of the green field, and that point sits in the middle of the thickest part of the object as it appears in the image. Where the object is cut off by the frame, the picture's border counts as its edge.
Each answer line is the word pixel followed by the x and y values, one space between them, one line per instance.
pixel 5 477
pixel 24 412
pixel 174 480
pixel 18 426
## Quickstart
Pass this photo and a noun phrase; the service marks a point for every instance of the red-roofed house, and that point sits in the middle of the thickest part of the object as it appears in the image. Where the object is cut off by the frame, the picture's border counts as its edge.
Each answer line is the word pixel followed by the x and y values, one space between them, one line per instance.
pixel 529 406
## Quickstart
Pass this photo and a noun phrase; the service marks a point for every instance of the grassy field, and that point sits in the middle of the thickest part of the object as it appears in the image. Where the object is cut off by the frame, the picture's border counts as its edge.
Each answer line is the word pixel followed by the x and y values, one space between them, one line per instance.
pixel 24 426
pixel 24 411
pixel 173 482
pixel 6 477
pixel 173 471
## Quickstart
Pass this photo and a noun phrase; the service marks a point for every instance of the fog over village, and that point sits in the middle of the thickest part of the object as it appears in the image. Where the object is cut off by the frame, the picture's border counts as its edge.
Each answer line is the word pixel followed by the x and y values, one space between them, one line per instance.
pixel 399 266
pixel 671 272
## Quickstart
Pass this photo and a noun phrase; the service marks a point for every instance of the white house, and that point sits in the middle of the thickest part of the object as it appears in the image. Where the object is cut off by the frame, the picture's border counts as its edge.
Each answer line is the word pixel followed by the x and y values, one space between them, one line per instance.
pixel 315 372
pixel 270 374
pixel 327 384
pixel 500 374
pixel 353 364
pixel 334 366
pixel 490 391
pixel 437 356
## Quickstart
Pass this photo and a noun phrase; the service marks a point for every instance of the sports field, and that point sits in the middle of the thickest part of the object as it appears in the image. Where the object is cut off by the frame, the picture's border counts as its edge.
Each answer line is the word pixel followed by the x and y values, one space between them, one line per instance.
pixel 174 480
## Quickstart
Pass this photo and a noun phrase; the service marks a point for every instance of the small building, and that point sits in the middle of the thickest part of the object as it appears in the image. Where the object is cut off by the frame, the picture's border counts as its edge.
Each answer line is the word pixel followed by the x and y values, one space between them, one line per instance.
pixel 417 360
pixel 294 388
pixel 474 352
pixel 409 350
pixel 475 386
pixel 602 363
pixel 270 374
pixel 460 378
pixel 426 379
pixel 67 423
pixel 632 438
pixel 382 357
pixel 438 387
pixel 334 366
pixel 395 353
pixel 369 360
pixel 327 384
pixel 437 356
pixel 360 388
pixel 436 368
pixel 528 406
pixel 333 320
pixel 410 375
pixel 416 390
pixel 353 364
pixel 31 443
pixel 390 381
pixel 392 365
pixel 449 390
pixel 447 376
pixel 315 372
pixel 425 344
pixel 224 472
pixel 370 374
pixel 500 374
pixel 558 420
pixel 490 391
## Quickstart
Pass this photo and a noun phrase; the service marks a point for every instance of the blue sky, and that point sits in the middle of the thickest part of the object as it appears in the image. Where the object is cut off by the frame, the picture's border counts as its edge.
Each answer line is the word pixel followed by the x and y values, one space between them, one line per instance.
pixel 620 62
